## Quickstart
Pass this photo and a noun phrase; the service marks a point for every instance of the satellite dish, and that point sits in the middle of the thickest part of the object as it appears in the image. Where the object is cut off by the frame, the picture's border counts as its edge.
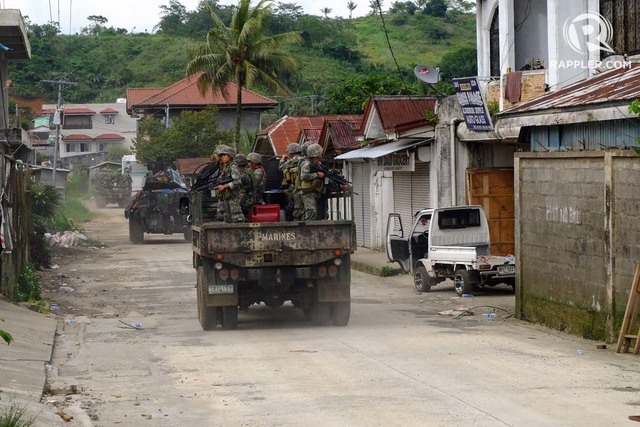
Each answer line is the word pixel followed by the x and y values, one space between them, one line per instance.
pixel 429 75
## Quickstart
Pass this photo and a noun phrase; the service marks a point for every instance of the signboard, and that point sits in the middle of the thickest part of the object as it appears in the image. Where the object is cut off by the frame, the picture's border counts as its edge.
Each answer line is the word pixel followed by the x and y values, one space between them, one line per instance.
pixel 476 114
pixel 396 162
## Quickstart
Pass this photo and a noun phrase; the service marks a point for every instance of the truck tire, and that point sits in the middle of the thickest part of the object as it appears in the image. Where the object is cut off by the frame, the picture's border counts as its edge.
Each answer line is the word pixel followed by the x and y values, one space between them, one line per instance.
pixel 319 313
pixel 230 317
pixel 340 313
pixel 206 315
pixel 463 281
pixel 136 233
pixel 422 280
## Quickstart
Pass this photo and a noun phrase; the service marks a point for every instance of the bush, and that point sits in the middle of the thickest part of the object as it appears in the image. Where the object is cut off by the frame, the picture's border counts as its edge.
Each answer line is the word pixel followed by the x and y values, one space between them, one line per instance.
pixel 44 202
pixel 28 284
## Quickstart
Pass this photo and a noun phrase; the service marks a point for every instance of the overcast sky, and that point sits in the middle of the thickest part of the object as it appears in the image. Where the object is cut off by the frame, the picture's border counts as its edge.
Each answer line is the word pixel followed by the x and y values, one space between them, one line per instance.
pixel 141 14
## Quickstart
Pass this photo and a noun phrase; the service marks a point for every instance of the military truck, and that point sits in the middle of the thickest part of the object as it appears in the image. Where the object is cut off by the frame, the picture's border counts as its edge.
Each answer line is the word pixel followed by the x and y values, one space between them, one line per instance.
pixel 112 187
pixel 156 208
pixel 240 264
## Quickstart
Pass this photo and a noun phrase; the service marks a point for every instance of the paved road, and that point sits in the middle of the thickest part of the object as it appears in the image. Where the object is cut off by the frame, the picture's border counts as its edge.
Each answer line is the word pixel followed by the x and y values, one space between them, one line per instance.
pixel 397 363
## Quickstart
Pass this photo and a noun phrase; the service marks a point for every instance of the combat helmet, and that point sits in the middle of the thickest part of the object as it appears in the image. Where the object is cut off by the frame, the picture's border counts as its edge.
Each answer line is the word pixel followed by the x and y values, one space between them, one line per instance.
pixel 227 150
pixel 254 158
pixel 240 160
pixel 293 148
pixel 305 146
pixel 314 150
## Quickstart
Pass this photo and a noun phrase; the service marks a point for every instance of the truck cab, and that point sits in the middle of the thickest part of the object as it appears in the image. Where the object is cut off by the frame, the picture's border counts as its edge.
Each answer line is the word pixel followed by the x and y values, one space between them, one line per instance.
pixel 448 243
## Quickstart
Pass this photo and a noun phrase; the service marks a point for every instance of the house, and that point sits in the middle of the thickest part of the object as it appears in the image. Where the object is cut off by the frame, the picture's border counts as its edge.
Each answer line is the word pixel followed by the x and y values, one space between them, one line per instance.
pixel 167 103
pixel 87 131
pixel 189 168
pixel 392 172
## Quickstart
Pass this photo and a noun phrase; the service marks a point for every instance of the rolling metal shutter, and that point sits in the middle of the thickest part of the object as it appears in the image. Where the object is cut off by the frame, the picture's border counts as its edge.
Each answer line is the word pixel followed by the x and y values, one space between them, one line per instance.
pixel 362 203
pixel 411 193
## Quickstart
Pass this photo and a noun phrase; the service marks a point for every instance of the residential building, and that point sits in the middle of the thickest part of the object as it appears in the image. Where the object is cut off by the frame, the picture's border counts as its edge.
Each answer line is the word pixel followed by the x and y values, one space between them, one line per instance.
pixel 167 103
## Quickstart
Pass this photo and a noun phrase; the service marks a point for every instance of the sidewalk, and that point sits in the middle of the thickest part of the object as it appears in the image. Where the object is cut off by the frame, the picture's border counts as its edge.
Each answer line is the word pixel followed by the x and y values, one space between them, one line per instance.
pixel 374 262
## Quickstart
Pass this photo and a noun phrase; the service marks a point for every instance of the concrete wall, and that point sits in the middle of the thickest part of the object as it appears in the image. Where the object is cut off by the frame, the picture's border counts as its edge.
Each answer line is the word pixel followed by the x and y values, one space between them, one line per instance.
pixel 577 238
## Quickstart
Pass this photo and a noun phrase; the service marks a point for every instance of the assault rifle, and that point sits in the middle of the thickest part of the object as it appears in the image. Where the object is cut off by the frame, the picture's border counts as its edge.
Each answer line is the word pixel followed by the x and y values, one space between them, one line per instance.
pixel 332 174
pixel 212 181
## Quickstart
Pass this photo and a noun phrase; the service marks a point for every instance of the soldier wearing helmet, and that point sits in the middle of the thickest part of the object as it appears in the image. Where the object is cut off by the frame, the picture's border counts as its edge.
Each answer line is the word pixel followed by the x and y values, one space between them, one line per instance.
pixel 246 193
pixel 311 183
pixel 258 176
pixel 289 166
pixel 229 192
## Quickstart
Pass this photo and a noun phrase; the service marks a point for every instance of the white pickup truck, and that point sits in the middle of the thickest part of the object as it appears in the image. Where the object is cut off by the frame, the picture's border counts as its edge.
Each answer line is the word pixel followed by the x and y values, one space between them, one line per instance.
pixel 448 243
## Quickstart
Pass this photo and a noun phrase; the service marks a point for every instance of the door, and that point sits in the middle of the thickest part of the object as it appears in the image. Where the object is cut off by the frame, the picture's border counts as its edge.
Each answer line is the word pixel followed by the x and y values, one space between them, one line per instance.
pixel 492 188
pixel 362 203
pixel 411 192
pixel 397 243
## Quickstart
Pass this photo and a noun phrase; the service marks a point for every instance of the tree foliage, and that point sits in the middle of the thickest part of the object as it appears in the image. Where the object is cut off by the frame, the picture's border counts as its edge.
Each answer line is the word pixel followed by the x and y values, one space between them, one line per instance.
pixel 193 134
pixel 243 54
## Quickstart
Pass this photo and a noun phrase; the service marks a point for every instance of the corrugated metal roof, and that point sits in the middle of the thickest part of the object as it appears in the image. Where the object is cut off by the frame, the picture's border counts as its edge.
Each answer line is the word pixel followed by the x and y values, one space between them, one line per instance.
pixel 288 129
pixel 615 85
pixel 401 110
pixel 77 111
pixel 186 92
pixel 77 137
pixel 109 111
pixel 375 151
pixel 344 133
pixel 189 166
pixel 108 136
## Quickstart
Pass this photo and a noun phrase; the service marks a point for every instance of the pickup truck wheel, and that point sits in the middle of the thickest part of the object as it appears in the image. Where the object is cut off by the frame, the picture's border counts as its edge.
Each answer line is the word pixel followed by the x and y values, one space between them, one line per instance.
pixel 136 233
pixel 230 317
pixel 322 314
pixel 340 313
pixel 421 280
pixel 463 282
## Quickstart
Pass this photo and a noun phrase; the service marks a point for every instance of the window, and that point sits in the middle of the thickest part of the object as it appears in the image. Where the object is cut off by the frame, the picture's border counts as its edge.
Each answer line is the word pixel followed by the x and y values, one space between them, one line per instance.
pixel 494 45
pixel 109 119
pixel 623 16
pixel 102 147
pixel 84 148
pixel 459 218
pixel 71 147
pixel 77 122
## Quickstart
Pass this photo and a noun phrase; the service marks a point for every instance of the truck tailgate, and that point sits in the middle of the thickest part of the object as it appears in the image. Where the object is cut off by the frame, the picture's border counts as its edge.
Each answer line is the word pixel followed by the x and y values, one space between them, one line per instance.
pixel 277 243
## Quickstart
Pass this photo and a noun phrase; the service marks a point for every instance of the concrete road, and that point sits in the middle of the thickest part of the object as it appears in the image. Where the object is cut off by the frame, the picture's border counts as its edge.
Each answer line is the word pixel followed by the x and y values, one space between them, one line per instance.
pixel 398 362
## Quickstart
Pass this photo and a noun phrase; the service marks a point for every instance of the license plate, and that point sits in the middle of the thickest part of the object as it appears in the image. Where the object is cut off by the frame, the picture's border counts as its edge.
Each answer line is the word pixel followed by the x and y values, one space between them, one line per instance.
pixel 220 289
pixel 507 269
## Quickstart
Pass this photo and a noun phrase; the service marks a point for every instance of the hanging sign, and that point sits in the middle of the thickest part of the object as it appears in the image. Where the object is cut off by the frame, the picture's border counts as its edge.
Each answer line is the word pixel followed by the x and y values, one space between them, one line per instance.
pixel 475 112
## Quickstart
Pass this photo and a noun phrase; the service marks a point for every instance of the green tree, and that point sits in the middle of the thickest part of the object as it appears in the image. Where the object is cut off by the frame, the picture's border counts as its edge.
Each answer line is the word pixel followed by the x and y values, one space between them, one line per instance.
pixel 436 8
pixel 243 54
pixel 172 19
pixel 193 134
pixel 96 27
pixel 461 62
pixel 326 11
pixel 351 5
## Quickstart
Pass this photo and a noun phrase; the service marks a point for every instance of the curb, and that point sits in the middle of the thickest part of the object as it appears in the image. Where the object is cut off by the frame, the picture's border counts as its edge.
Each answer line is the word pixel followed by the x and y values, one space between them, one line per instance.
pixel 375 270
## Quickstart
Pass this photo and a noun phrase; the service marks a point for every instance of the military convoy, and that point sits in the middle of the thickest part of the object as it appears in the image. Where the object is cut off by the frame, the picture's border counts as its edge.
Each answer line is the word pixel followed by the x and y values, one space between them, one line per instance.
pixel 155 208
pixel 240 264
pixel 112 187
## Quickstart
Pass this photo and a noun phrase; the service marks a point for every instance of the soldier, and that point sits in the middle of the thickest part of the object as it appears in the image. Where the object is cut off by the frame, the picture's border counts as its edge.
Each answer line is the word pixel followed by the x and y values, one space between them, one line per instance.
pixel 258 176
pixel 229 193
pixel 246 193
pixel 216 157
pixel 289 165
pixel 311 183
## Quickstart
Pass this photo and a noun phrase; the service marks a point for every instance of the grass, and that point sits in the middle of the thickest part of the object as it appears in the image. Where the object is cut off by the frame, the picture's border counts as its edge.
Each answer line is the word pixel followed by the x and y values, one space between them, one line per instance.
pixel 15 415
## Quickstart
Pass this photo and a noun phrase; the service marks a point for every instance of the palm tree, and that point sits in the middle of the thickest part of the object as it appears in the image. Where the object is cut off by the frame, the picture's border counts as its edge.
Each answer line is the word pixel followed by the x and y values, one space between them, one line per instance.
pixel 375 6
pixel 242 54
pixel 351 5
pixel 326 11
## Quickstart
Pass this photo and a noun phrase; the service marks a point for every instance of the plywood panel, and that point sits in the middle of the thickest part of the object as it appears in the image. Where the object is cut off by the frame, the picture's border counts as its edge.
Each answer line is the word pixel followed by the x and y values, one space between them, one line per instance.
pixel 492 188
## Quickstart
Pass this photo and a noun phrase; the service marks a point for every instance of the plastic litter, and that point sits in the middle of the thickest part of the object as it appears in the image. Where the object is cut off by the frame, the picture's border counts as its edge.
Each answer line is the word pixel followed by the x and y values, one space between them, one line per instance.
pixel 579 352
pixel 467 295
pixel 137 324
pixel 65 288
pixel 70 321
pixel 489 315
pixel 54 307
pixel 65 239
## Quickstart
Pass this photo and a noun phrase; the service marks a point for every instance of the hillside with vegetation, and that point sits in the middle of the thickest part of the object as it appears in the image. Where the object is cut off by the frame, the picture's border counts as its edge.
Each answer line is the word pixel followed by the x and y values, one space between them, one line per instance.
pixel 342 61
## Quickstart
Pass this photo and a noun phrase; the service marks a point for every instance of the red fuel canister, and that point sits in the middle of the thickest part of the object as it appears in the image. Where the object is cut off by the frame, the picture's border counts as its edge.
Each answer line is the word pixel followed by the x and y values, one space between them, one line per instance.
pixel 264 213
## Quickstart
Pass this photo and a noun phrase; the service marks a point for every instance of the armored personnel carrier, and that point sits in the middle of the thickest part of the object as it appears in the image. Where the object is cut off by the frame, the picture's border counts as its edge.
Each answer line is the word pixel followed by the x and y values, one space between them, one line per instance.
pixel 112 187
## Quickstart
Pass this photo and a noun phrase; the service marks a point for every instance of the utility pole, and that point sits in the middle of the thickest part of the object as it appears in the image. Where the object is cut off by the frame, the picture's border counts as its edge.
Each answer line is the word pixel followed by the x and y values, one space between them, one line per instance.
pixel 58 124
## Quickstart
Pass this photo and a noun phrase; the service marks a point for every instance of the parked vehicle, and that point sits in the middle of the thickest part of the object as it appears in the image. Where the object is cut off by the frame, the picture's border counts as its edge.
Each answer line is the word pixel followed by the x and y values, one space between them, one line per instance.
pixel 156 208
pixel 448 243
pixel 240 264
pixel 112 187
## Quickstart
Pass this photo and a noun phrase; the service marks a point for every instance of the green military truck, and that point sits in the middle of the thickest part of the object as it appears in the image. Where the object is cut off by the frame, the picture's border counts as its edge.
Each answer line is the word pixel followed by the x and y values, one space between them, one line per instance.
pixel 307 263
pixel 112 187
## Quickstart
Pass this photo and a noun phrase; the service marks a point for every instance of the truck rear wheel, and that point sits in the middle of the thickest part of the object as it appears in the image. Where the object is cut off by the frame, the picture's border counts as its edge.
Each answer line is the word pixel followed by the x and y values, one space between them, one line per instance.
pixel 206 315
pixel 322 314
pixel 340 313
pixel 421 280
pixel 136 233
pixel 230 317
pixel 463 282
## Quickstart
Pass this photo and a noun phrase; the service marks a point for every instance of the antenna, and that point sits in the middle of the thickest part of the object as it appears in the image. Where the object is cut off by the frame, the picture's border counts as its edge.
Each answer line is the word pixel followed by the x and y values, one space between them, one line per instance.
pixel 428 75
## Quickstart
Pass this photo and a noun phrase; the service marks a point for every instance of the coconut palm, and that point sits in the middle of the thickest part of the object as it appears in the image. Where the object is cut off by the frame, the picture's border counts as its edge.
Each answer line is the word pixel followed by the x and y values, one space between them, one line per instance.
pixel 326 11
pixel 351 6
pixel 243 54
pixel 375 6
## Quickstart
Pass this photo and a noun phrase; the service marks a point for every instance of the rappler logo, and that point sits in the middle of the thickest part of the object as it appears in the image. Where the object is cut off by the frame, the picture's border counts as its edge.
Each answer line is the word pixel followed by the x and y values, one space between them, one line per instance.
pixel 577 31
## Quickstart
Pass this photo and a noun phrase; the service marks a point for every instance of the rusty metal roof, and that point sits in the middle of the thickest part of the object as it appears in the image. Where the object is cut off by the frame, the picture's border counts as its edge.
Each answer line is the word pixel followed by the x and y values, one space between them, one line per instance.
pixel 342 133
pixel 189 166
pixel 617 85
pixel 398 111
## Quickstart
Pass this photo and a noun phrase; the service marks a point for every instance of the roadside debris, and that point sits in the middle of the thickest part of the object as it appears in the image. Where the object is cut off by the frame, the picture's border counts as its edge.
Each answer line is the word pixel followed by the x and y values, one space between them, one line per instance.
pixel 133 325
pixel 65 239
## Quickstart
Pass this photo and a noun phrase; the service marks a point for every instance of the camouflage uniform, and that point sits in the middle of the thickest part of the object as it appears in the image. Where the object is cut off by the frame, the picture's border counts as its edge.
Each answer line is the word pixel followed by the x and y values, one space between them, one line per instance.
pixel 230 197
pixel 311 185
pixel 290 171
pixel 259 180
